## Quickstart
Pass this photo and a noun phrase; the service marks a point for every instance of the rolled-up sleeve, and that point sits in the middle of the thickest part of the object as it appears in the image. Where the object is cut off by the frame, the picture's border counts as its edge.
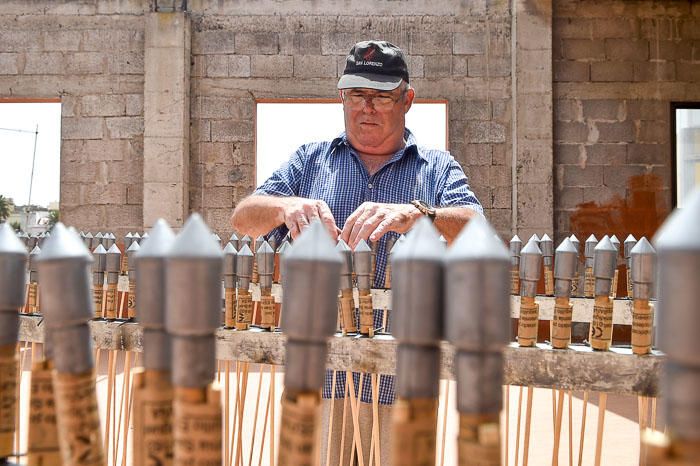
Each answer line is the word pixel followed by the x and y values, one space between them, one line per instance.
pixel 286 180
pixel 455 190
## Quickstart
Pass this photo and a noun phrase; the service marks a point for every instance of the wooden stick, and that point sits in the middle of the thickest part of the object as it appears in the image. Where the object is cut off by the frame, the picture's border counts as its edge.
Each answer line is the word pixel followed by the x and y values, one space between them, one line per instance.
pixel 583 428
pixel 272 416
pixel 571 430
pixel 255 415
pixel 517 432
pixel 127 417
pixel 528 421
pixel 375 420
pixel 444 421
pixel 557 428
pixel 653 413
pixel 342 430
pixel 236 412
pixel 123 402
pixel 227 402
pixel 507 435
pixel 554 409
pixel 244 391
pixel 267 411
pixel 357 440
pixel 110 388
pixel 602 399
pixel 330 421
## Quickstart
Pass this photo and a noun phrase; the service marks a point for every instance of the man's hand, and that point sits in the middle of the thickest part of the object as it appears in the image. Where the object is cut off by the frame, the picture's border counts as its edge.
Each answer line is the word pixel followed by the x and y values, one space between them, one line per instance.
pixel 298 213
pixel 372 220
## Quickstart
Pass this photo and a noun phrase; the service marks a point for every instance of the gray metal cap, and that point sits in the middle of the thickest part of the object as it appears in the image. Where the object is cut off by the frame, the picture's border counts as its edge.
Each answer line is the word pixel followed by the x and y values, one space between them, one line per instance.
pixel 130 253
pixel 137 238
pixel 111 240
pixel 244 266
pixel 390 242
pixel 547 246
pixel 229 266
pixel 99 263
pixel 477 290
pixel 247 241
pixel 66 297
pixel 13 263
pixel 362 261
pixel 114 256
pixel 151 298
pixel 128 239
pixel 346 268
pixel 678 256
pixel 87 240
pixel 193 298
pixel 530 268
pixel 234 240
pixel 604 264
pixel 565 264
pixel 516 245
pixel 272 241
pixel 643 271
pixel 575 242
pixel 535 238
pixel 216 237
pixel 629 243
pixel 33 266
pixel 311 283
pixel 615 242
pixel 265 257
pixel 589 249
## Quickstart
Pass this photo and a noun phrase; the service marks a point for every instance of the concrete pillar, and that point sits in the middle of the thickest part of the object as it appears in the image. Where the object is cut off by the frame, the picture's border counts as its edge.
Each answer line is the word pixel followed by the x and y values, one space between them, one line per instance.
pixel 533 155
pixel 166 118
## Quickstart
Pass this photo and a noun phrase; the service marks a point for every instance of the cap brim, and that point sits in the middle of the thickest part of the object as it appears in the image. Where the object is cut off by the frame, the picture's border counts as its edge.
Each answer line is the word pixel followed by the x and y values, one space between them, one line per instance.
pixel 379 82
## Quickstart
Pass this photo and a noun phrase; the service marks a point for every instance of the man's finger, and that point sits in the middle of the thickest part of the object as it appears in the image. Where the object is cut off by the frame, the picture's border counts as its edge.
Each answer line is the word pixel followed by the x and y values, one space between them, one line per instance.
pixel 367 227
pixel 326 217
pixel 357 226
pixel 310 212
pixel 349 222
pixel 383 227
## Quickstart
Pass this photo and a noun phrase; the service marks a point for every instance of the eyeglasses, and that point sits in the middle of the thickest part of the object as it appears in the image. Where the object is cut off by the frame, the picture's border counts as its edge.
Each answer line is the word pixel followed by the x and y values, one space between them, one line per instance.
pixel 379 101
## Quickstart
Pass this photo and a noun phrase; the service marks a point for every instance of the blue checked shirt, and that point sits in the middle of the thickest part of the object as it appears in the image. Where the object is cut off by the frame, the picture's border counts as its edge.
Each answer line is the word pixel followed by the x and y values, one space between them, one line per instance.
pixel 333 172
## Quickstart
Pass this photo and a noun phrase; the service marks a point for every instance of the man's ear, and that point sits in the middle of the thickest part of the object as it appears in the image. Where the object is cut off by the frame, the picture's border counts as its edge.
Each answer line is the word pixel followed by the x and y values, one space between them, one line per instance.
pixel 410 95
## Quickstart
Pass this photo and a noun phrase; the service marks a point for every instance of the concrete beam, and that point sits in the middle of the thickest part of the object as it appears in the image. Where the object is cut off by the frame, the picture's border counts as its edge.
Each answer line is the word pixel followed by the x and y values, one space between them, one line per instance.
pixel 166 107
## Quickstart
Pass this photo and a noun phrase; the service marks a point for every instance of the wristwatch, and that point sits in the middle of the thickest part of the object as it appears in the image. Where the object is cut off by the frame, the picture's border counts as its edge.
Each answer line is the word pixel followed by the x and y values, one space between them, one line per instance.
pixel 425 209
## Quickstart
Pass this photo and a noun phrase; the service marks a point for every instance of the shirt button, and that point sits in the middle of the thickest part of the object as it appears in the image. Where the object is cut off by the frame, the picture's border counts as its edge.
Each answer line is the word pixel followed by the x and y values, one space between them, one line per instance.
pixel 370 186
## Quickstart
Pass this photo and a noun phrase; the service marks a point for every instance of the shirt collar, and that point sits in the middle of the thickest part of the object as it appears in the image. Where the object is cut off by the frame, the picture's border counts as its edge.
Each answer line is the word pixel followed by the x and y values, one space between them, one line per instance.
pixel 410 147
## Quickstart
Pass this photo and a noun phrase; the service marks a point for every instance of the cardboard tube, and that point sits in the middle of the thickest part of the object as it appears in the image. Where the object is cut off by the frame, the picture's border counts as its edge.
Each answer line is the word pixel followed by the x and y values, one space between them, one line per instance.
pixel 588 283
pixel 197 426
pixel 111 301
pixel 42 443
pixel 97 295
pixel 267 310
pixel 561 323
pixel 613 288
pixel 602 323
pixel 298 430
pixel 478 441
pixel 131 302
pixel 366 313
pixel 229 305
pixel 153 416
pixel 78 419
pixel 642 326
pixel 414 431
pixel 629 282
pixel 515 280
pixel 347 311
pixel 548 280
pixel 8 397
pixel 33 298
pixel 244 309
pixel 527 323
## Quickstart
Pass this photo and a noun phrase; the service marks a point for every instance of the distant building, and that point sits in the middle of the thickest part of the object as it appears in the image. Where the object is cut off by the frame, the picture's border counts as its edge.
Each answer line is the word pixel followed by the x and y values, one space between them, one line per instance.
pixel 33 222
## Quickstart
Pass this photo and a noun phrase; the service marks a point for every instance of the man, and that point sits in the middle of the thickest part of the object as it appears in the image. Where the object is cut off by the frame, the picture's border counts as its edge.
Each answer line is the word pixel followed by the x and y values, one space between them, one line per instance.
pixel 371 180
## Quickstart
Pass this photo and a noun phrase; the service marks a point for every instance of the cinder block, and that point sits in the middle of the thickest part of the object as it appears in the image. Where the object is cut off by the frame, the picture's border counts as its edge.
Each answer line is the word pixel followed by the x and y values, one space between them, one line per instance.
pixel 219 196
pixel 416 66
pixel 615 28
pixel 583 49
pixel 567 110
pixel 688 72
pixel 430 43
pixel 471 43
pixel 485 131
pixel 83 172
pixel 627 50
pixel 126 63
pixel 257 43
pixel 134 104
pixel 165 160
pixel 671 50
pixel 218 219
pixel 81 128
pixel 647 110
pixel 649 154
pixel 123 217
pixel 480 66
pixel 300 43
pixel 8 63
pixel 606 154
pixel 164 200
pixel 502 197
pixel 569 154
pixel 134 194
pixel 104 40
pixel 653 132
pixel 224 175
pixel 219 41
pixel 620 177
pixel 690 28
pixel 111 193
pixel 86 62
pixel 238 66
pixel 460 65
pixel 44 63
pixel 217 66
pixel 62 40
pixel 658 28
pixel 314 66
pixel 124 127
pixel 13 40
pixel 216 153
pixel 501 154
pixel 338 43
pixel 570 132
pixel 603 194
pixel 94 149
pixel 437 66
pixel 655 71
pixel 571 71
pixel 231 130
pixel 70 194
pixel 572 28
pixel 610 71
pixel 272 66
pixel 103 105
pixel 84 216
pixel 470 110
pixel 623 131
pixel 598 109
pixel 568 198
pixel 591 175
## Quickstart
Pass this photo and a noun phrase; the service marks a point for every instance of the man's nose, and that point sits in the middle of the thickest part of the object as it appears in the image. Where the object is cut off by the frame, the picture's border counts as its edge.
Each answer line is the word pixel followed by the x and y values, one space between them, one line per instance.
pixel 368 106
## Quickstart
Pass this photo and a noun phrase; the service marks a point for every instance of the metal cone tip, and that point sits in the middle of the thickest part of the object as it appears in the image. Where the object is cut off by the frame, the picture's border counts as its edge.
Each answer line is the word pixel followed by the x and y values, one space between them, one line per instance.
pixel 195 240
pixel 314 243
pixel 681 231
pixel 643 247
pixel 63 244
pixel 477 240
pixel 159 242
pixel 9 242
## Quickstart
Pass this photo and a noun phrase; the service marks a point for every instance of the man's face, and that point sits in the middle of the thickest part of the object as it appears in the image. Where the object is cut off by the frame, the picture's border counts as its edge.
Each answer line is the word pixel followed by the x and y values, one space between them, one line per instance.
pixel 375 120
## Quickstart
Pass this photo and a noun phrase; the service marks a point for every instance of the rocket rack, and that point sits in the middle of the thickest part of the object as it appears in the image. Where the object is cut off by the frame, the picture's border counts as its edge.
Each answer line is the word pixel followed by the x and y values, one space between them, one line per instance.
pixel 576 368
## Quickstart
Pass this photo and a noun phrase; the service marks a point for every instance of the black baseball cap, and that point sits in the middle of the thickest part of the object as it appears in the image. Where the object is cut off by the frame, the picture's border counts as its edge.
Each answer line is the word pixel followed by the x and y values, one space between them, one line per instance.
pixel 374 64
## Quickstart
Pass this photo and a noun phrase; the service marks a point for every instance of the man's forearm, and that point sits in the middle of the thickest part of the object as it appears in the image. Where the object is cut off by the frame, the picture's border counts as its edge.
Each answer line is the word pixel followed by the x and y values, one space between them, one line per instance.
pixel 257 214
pixel 450 220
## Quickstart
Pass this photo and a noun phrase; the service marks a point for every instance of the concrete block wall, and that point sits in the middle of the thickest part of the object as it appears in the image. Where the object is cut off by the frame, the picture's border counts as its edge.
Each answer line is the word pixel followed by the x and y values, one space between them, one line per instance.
pixel 457 53
pixel 90 55
pixel 617 68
